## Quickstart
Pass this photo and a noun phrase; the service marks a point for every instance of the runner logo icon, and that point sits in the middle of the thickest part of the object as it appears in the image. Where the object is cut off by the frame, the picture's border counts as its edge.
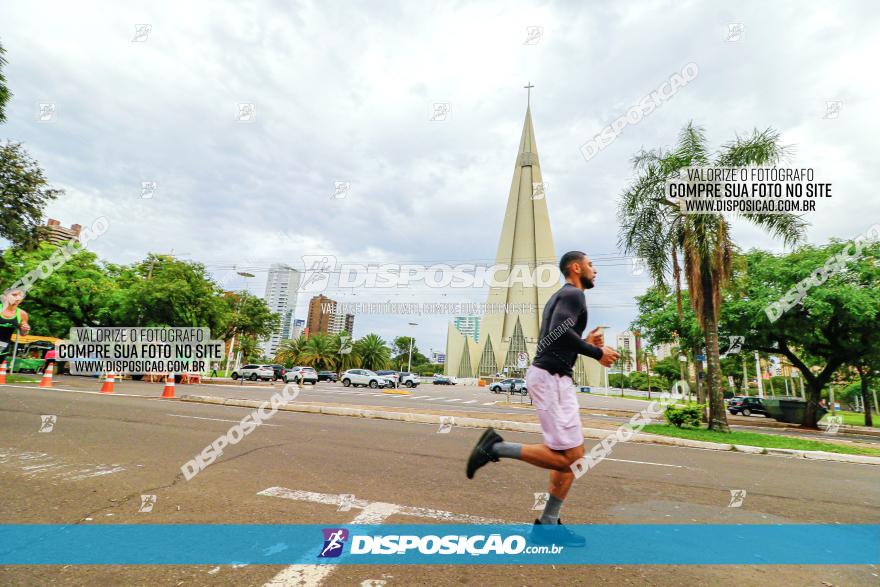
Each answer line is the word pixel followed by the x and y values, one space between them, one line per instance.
pixel 334 540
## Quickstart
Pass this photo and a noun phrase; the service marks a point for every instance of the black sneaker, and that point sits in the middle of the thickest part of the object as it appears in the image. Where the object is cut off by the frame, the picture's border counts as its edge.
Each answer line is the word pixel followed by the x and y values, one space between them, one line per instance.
pixel 546 534
pixel 482 452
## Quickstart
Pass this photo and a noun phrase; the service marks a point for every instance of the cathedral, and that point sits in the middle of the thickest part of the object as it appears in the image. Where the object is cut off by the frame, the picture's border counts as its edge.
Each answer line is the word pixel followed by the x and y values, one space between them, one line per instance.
pixel 507 341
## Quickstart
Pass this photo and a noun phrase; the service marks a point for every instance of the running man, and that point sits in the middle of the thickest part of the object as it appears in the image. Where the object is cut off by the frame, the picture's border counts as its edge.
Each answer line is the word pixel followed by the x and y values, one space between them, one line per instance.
pixel 552 389
pixel 12 320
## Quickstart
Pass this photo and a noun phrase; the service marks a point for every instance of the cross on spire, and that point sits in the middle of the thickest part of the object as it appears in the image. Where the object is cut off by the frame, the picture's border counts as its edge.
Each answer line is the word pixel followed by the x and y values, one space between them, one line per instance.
pixel 529 95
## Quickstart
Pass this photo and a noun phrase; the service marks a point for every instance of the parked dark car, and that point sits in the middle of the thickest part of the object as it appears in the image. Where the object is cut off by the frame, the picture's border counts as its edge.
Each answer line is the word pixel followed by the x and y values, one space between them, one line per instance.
pixel 279 371
pixel 443 380
pixel 746 406
pixel 327 376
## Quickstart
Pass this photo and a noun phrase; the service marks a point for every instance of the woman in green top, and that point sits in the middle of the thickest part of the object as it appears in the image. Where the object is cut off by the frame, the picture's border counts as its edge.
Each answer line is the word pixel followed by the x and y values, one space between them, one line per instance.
pixel 12 319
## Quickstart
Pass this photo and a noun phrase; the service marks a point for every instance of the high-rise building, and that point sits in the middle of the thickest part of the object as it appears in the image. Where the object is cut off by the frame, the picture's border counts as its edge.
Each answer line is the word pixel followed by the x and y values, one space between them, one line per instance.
pixel 282 286
pixel 56 234
pixel 468 326
pixel 629 342
pixel 298 327
pixel 508 340
pixel 321 311
pixel 341 323
pixel 323 317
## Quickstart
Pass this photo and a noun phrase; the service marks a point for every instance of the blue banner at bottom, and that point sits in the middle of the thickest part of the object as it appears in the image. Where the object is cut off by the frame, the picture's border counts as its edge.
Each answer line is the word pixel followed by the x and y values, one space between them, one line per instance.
pixel 442 544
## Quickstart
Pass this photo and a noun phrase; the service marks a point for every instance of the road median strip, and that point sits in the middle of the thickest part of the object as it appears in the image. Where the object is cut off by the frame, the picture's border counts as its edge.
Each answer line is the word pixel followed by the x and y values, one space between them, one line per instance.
pixel 469 422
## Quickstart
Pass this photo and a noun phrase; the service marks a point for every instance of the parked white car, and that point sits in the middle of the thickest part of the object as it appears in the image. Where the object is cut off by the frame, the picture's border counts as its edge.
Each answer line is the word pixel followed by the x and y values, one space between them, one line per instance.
pixel 306 374
pixel 409 379
pixel 365 377
pixel 254 372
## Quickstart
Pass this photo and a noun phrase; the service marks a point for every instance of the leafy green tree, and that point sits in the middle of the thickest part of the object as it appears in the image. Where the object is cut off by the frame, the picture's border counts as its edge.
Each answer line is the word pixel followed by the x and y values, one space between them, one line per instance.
pixel 163 291
pixel 658 320
pixel 834 325
pixel 400 353
pixel 77 293
pixel 656 229
pixel 24 193
pixel 668 368
pixel 373 352
pixel 246 314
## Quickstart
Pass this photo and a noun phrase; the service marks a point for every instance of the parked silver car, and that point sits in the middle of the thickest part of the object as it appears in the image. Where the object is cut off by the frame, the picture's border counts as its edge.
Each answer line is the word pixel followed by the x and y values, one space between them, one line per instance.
pixel 306 374
pixel 365 377
pixel 254 372
pixel 509 386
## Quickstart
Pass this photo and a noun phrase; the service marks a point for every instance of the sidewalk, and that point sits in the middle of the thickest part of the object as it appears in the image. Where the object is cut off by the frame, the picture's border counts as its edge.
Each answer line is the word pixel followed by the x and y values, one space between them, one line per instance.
pixel 526 422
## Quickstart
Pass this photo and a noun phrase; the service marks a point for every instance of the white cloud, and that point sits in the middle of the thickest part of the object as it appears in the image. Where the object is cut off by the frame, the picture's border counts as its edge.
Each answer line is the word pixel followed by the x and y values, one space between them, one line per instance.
pixel 342 93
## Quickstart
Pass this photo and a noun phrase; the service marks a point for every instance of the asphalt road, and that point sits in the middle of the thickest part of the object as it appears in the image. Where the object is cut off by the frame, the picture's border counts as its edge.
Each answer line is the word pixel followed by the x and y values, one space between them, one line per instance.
pixel 104 452
pixel 596 408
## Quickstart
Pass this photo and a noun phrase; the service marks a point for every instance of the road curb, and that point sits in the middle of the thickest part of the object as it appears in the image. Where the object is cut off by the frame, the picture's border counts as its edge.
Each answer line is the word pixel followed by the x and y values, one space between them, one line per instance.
pixel 593 433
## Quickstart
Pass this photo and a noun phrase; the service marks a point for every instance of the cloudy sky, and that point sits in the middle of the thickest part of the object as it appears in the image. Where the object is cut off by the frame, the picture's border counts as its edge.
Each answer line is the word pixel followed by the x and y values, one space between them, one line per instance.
pixel 343 92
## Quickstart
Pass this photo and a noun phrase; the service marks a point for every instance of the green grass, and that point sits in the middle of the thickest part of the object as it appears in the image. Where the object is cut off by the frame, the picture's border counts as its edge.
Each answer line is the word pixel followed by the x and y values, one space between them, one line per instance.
pixel 857 419
pixel 755 439
pixel 655 395
pixel 23 378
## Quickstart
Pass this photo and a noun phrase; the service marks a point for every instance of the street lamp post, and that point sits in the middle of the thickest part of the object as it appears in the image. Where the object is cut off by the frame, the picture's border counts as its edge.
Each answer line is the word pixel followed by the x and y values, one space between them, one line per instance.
pixel 409 363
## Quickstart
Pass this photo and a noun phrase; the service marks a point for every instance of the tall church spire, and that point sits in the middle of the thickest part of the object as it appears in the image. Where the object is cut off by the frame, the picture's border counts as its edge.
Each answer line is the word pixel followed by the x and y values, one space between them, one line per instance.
pixel 508 339
pixel 526 241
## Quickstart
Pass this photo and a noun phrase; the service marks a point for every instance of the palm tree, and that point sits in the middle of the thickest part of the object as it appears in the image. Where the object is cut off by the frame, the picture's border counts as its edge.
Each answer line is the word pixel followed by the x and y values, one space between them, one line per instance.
pixel 373 352
pixel 624 362
pixel 319 351
pixel 657 230
pixel 290 351
pixel 345 360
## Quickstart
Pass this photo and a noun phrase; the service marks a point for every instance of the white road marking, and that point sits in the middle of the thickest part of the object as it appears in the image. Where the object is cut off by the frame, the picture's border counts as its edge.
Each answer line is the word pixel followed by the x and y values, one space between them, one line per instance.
pixel 33 464
pixel 453 399
pixel 419 396
pixel 473 401
pixel 52 389
pixel 489 404
pixel 334 499
pixel 646 463
pixel 304 575
pixel 88 473
pixel 434 399
pixel 215 419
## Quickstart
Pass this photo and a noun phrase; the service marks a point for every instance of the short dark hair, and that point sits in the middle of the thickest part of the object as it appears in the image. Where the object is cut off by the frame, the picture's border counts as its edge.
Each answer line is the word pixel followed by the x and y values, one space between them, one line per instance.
pixel 569 258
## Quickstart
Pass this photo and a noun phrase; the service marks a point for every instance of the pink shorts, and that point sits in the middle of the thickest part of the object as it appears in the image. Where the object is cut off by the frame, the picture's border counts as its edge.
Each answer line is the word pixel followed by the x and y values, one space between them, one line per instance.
pixel 558 409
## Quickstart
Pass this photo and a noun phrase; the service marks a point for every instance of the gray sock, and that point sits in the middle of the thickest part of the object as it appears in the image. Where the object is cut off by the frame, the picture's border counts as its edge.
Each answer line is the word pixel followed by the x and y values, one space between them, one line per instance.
pixel 507 450
pixel 551 511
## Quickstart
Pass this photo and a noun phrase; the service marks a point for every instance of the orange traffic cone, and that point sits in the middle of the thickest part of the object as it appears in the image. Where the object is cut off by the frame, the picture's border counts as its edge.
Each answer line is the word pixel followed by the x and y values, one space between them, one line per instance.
pixel 3 372
pixel 108 383
pixel 169 386
pixel 47 377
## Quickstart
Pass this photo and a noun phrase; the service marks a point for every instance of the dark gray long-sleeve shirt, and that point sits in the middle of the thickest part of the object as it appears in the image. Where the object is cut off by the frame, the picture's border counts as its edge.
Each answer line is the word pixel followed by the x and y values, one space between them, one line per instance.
pixel 562 326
